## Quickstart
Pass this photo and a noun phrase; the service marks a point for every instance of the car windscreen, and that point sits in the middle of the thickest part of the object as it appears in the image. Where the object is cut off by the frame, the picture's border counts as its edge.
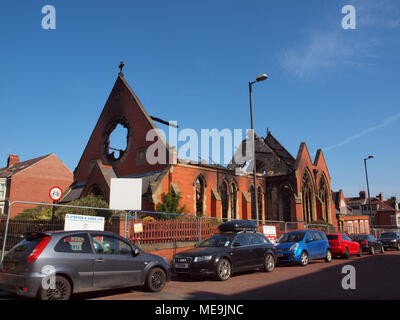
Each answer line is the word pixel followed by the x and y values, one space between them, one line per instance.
pixel 291 237
pixel 218 240
pixel 389 235
pixel 332 237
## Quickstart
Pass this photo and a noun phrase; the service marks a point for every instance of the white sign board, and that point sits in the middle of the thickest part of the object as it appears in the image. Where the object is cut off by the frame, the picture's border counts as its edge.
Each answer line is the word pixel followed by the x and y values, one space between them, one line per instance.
pixel 126 194
pixel 270 233
pixel 78 222
pixel 138 228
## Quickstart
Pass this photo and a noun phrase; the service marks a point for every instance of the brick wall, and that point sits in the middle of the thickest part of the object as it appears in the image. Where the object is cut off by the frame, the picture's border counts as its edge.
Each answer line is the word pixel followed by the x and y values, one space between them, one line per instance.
pixel 34 183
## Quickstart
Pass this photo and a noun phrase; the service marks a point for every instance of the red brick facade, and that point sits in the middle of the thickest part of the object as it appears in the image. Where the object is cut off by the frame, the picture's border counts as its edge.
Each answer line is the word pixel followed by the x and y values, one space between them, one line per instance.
pixel 32 181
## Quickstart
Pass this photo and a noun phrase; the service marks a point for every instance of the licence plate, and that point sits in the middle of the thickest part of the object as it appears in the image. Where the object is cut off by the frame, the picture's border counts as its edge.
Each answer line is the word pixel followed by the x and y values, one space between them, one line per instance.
pixel 279 255
pixel 181 265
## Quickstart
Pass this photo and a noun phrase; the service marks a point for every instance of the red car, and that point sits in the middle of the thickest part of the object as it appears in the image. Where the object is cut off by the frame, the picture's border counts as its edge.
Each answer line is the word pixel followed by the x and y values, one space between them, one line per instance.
pixel 343 245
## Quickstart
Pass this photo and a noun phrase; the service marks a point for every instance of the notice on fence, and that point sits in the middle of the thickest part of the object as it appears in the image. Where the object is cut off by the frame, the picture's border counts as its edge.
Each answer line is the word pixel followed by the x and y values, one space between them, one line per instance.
pixel 78 222
pixel 270 233
pixel 138 228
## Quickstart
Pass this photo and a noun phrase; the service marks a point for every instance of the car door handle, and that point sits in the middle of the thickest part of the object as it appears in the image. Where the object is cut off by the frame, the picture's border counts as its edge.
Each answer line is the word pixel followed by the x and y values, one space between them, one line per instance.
pixel 99 260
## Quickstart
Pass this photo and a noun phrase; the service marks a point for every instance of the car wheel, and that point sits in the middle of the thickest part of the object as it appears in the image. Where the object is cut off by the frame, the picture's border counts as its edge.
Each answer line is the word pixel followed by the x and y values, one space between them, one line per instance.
pixel 360 253
pixel 328 257
pixel 62 290
pixel 346 254
pixel 269 262
pixel 382 249
pixel 224 269
pixel 304 258
pixel 156 279
pixel 398 246
pixel 372 251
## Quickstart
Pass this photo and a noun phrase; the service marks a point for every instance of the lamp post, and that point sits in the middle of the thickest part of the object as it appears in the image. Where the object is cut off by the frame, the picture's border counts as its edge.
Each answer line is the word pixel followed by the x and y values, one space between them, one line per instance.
pixel 369 197
pixel 259 78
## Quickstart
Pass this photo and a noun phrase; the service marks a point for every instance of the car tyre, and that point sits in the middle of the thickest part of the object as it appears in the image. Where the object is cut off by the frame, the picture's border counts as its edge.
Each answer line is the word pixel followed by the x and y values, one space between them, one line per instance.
pixel 328 257
pixel 62 291
pixel 304 259
pixel 156 280
pixel 346 254
pixel 360 252
pixel 224 269
pixel 382 249
pixel 372 251
pixel 398 246
pixel 269 263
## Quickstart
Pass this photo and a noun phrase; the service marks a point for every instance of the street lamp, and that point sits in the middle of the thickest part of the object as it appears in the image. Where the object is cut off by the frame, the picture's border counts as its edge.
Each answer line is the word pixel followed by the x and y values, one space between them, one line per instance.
pixel 259 78
pixel 369 197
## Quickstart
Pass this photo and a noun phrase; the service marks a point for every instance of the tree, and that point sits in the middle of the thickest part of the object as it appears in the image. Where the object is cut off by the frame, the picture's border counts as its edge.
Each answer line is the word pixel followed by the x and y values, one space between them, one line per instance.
pixel 170 204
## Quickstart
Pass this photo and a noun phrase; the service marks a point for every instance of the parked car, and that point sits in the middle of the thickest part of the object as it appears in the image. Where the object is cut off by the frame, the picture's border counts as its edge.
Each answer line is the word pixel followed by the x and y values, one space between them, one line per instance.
pixel 237 247
pixel 369 243
pixel 342 245
pixel 303 246
pixel 390 240
pixel 78 261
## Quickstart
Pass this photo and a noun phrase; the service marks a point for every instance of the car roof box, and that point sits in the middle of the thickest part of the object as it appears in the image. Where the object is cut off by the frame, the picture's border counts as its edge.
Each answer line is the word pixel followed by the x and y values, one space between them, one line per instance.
pixel 238 225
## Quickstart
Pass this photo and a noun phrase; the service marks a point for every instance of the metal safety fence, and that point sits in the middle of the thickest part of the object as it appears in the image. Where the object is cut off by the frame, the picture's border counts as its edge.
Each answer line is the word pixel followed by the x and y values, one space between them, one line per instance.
pixel 140 227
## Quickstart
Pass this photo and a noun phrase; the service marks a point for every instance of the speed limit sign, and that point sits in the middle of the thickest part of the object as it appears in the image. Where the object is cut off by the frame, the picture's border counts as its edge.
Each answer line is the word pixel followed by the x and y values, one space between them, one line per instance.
pixel 55 193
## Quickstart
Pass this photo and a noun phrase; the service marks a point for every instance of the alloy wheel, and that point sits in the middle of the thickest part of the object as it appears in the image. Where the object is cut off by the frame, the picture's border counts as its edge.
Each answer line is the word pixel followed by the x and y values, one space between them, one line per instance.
pixel 224 269
pixel 269 263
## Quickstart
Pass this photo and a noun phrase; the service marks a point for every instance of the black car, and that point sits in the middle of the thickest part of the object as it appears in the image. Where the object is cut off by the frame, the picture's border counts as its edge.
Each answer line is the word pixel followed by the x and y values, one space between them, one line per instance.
pixel 390 240
pixel 369 243
pixel 237 247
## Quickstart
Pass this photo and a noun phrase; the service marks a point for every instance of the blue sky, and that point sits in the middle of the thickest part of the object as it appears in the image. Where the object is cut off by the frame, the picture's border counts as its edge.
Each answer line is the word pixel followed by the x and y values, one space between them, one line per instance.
pixel 189 61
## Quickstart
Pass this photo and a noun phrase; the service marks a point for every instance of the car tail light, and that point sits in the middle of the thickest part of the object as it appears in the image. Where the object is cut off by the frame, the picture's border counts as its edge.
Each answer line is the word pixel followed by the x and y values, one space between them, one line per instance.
pixel 364 242
pixel 38 249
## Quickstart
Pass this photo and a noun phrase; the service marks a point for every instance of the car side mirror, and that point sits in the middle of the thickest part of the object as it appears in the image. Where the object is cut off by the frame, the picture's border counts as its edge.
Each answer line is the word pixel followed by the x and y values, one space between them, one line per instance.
pixel 136 252
pixel 309 240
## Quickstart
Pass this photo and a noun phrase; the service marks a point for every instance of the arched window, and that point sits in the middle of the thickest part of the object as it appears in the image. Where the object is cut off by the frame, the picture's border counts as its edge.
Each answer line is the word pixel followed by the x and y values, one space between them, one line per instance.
pixel 324 198
pixel 274 200
pixel 286 196
pixel 199 188
pixel 307 190
pixel 223 189
pixel 96 190
pixel 234 199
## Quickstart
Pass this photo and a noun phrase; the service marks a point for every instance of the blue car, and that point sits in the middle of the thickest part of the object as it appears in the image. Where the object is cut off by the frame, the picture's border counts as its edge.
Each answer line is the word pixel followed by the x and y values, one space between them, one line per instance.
pixel 302 246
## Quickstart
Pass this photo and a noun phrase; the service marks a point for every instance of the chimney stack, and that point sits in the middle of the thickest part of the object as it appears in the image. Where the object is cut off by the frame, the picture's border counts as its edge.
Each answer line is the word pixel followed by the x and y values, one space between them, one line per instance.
pixel 380 196
pixel 12 159
pixel 363 195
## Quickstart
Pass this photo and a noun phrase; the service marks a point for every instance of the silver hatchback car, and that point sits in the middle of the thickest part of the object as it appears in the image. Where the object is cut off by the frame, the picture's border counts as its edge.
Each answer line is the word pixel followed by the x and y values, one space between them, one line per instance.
pixel 53 265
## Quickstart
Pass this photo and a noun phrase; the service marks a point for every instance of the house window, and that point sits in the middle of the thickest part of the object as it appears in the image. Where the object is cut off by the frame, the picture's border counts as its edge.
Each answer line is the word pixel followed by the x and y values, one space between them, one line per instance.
pixel 356 227
pixel 361 226
pixel 366 226
pixel 2 190
pixel 350 227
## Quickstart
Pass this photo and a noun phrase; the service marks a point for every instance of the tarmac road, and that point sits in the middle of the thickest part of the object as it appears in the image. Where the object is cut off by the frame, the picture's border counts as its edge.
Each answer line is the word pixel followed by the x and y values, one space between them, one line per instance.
pixel 377 277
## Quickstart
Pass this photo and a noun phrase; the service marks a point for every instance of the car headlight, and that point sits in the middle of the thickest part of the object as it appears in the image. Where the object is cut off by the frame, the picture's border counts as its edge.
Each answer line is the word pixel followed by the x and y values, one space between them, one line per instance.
pixel 294 247
pixel 393 241
pixel 202 258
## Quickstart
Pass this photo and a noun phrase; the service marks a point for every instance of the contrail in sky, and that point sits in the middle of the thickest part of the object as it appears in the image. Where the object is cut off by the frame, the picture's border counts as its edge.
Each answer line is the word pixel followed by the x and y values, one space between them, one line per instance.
pixel 387 122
